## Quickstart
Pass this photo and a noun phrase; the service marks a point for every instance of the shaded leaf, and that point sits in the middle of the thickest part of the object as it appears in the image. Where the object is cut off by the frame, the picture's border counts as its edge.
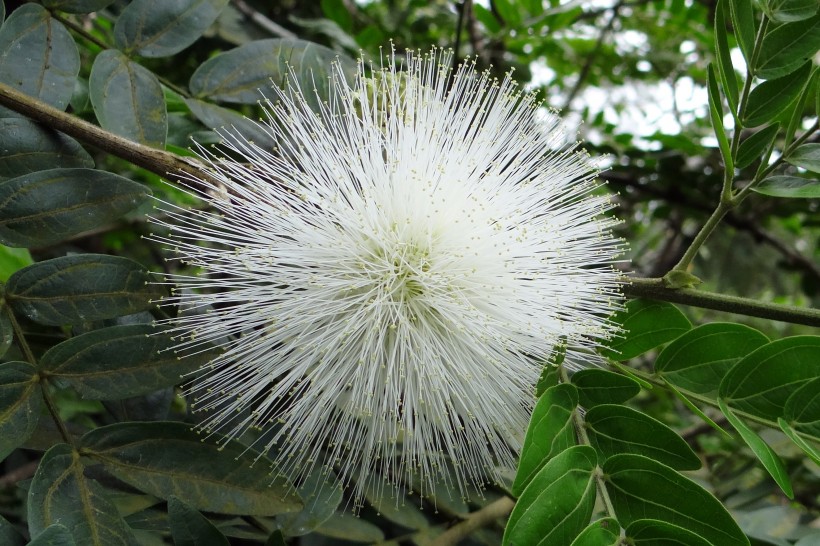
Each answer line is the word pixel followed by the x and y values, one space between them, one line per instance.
pixel 771 98
pixel 120 362
pixel 802 410
pixel 752 148
pixel 651 532
pixel 8 534
pixel 557 504
pixel 401 511
pixel 54 535
pixel 645 324
pixel 787 11
pixel 61 493
pixel 160 28
pixel 29 147
pixel 787 47
pixel 808 448
pixel 743 23
pixel 806 156
pixel 190 528
pixel 789 186
pixel 246 73
pixel 45 207
pixel 82 288
pixel 641 488
pixel 597 386
pixel 167 458
pixel 346 526
pixel 6 330
pixel 549 433
pixel 761 383
pixel 21 403
pixel 128 99
pixel 723 58
pixel 614 429
pixel 224 120
pixel 51 63
pixel 77 6
pixel 698 360
pixel 276 538
pixel 154 406
pixel 603 532
pixel 765 454
pixel 716 116
pixel 321 492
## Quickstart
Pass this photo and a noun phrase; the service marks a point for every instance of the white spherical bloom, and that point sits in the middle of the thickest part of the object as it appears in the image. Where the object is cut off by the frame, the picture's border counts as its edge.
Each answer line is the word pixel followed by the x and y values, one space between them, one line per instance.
pixel 387 284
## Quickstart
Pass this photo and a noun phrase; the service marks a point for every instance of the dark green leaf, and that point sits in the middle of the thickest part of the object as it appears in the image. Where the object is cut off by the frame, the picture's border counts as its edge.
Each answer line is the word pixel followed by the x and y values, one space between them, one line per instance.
pixel 651 532
pixel 806 156
pixel 807 447
pixel 558 502
pixel 21 403
pixel 698 360
pixel 8 534
pixel 716 116
pixel 549 433
pixel 38 56
pixel 761 383
pixel 603 387
pixel 276 538
pixel 641 488
pixel 6 330
pixel 755 146
pixel 336 11
pixel 771 98
pixel 550 373
pixel 802 410
pixel 46 207
pixel 646 324
pixel 346 526
pixel 29 147
pixel 190 528
pixel 77 6
pixel 154 406
pixel 617 429
pixel 224 120
pixel 603 532
pixel 509 12
pixel 54 535
pixel 745 28
pixel 406 514
pixel 2 12
pixel 723 58
pixel 322 493
pixel 787 11
pixel 61 493
pixel 787 47
pixel 164 459
pixel 160 28
pixel 128 99
pixel 765 454
pixel 81 288
pixel 800 106
pixel 789 186
pixel 246 73
pixel 119 362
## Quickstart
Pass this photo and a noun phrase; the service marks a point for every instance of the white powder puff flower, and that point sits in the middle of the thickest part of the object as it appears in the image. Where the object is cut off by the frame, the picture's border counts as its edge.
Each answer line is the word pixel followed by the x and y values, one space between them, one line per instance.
pixel 387 283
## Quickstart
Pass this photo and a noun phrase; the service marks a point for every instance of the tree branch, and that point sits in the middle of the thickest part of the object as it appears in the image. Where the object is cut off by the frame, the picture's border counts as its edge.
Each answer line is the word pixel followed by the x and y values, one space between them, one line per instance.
pixel 475 520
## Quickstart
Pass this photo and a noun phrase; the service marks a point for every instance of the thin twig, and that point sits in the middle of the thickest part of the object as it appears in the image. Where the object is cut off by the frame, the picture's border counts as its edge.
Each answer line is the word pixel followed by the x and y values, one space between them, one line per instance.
pixel 476 520
pixel 263 22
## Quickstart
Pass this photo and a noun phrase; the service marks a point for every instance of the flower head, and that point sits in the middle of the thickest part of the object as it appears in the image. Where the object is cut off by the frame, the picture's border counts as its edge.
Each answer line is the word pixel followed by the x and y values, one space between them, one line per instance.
pixel 386 283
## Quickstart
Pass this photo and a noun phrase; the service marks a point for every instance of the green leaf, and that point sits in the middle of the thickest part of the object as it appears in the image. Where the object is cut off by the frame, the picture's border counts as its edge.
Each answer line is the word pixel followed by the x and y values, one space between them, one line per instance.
pixel 788 11
pixel 11 261
pixel 617 429
pixel 322 493
pixel 82 288
pixel 77 6
pixel 21 403
pixel 641 488
pixel 557 503
pixel 45 207
pixel 509 12
pixel 207 472
pixel 646 324
pixel 54 535
pixel 798 440
pixel 716 116
pixel 128 99
pixel 38 56
pixel 603 532
pixel 698 360
pixel 603 387
pixel 743 23
pixel 6 330
pixel 802 409
pixel 787 47
pixel 771 98
pixel 190 528
pixel 800 106
pixel 160 28
pixel 335 10
pixel 61 493
pixel 120 361
pixel 224 120
pixel 276 538
pixel 549 433
pixel 8 534
pixel 404 513
pixel 245 74
pixel 651 532
pixel 761 383
pixel 346 526
pixel 550 373
pixel 29 147
pixel 752 148
pixel 789 186
pixel 723 58
pixel 765 454
pixel 806 156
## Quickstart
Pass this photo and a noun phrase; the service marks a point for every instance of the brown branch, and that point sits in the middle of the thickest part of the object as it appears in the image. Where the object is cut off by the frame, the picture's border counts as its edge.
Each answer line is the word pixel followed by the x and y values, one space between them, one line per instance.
pixel 476 520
